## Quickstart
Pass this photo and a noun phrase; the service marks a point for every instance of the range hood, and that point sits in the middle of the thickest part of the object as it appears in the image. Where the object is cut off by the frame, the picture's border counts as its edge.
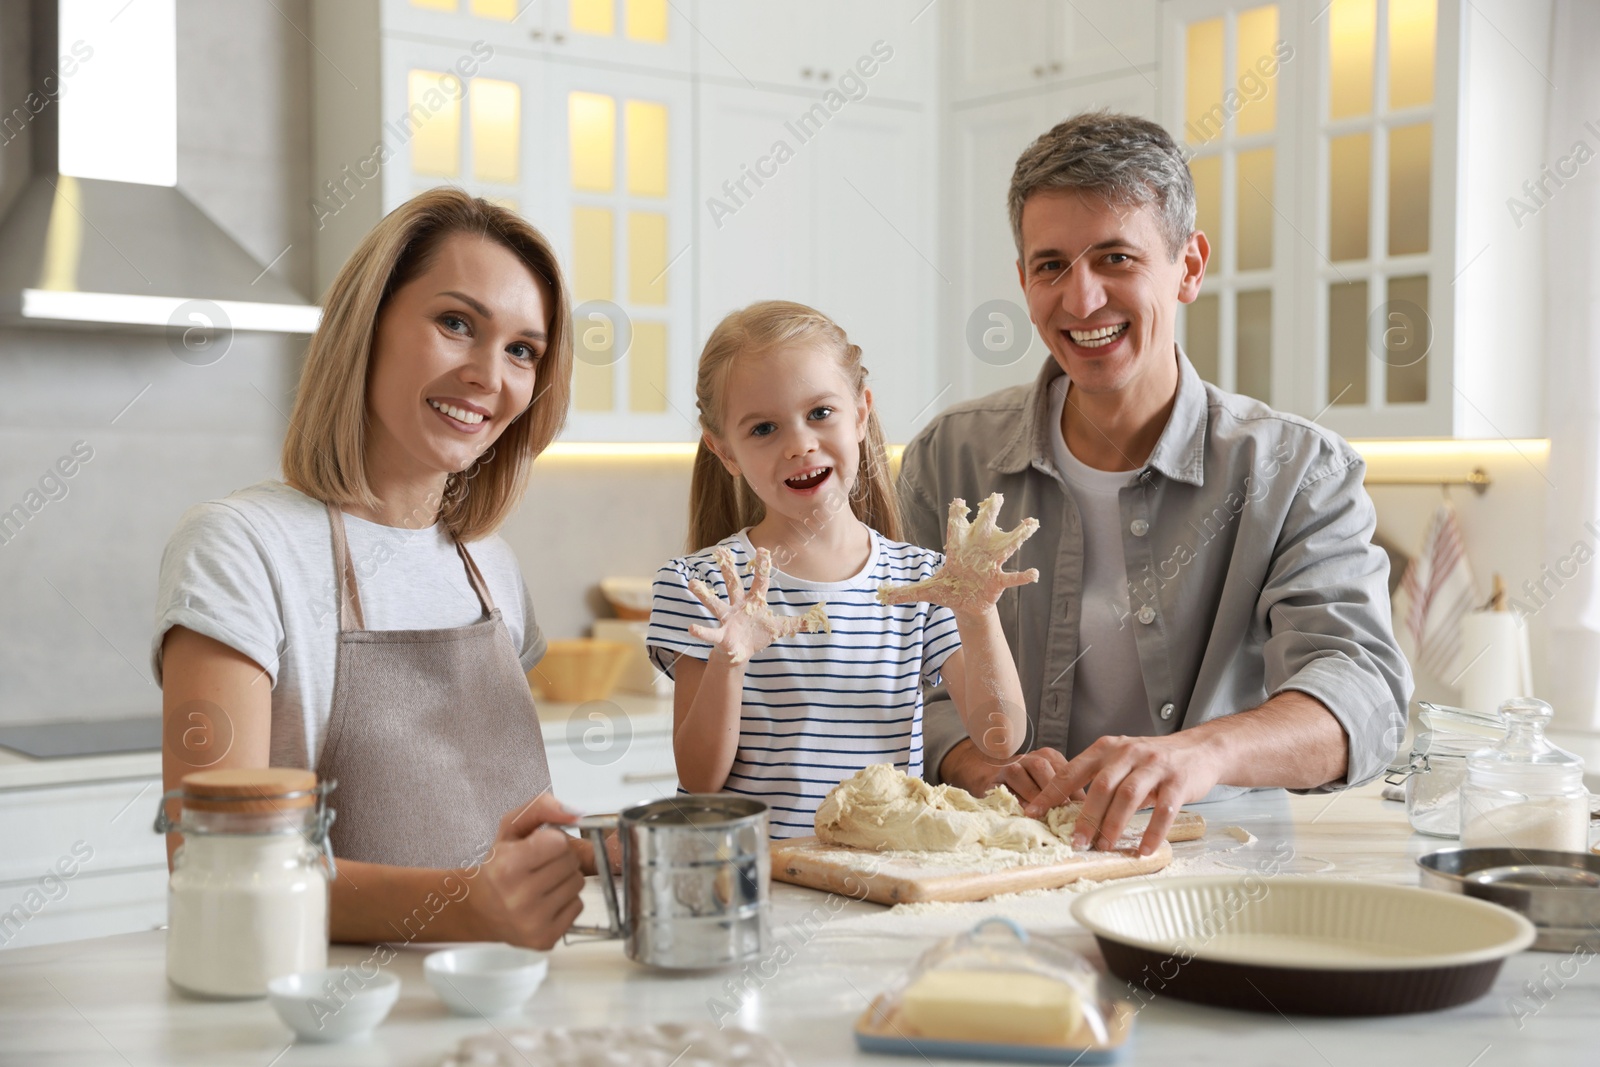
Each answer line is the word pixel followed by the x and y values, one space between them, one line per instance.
pixel 100 236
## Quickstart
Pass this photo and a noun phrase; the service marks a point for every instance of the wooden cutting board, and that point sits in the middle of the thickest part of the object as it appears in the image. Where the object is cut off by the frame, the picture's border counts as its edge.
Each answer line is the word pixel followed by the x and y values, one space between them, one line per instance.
pixel 951 876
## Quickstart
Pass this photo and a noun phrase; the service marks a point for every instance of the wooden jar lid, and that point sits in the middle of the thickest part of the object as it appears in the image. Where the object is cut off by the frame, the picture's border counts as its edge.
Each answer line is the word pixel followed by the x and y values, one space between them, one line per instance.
pixel 249 789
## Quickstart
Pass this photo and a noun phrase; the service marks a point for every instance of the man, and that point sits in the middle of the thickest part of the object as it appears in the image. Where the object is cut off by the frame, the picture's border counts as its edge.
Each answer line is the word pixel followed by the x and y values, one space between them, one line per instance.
pixel 1211 612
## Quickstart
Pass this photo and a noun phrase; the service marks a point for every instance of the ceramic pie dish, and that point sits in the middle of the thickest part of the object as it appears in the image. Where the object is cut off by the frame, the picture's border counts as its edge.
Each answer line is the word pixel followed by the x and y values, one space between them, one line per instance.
pixel 1312 946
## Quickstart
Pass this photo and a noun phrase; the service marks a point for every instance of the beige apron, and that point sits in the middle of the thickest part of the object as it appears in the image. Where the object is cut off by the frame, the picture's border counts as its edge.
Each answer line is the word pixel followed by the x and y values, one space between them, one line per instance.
pixel 432 736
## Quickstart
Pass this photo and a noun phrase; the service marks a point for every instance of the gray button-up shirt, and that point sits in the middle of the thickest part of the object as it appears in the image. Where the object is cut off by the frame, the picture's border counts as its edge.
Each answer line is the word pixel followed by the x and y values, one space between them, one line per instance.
pixel 1251 570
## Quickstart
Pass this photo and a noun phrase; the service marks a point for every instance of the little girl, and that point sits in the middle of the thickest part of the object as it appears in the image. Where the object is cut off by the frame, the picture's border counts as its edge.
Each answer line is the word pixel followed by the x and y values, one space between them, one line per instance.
pixel 791 496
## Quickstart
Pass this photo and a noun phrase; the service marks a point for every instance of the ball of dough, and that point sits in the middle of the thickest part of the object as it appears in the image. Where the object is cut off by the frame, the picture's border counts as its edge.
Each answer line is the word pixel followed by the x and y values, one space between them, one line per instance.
pixel 882 808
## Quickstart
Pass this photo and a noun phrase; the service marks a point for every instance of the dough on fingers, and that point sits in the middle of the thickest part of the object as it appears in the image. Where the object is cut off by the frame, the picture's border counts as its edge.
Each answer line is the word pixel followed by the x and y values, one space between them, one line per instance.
pixel 1063 820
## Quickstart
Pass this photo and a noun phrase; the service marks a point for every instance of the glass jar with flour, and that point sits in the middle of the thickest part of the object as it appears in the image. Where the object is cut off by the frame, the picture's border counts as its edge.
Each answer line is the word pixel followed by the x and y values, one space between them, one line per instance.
pixel 1525 792
pixel 1438 765
pixel 247 901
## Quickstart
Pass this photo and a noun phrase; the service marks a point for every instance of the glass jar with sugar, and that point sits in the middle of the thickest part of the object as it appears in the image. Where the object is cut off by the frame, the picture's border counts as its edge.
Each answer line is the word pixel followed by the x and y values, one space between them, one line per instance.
pixel 1525 792
pixel 247 900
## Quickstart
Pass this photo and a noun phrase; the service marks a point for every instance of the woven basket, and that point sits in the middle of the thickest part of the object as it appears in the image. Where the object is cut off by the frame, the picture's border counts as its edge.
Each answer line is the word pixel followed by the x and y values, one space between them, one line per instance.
pixel 579 669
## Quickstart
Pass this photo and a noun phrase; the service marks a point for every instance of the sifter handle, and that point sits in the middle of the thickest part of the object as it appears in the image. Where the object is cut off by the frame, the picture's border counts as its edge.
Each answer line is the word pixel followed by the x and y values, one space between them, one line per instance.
pixel 594 827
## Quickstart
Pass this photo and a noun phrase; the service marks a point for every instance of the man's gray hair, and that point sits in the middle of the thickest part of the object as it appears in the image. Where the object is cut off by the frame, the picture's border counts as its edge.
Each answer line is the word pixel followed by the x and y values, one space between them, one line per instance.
pixel 1125 159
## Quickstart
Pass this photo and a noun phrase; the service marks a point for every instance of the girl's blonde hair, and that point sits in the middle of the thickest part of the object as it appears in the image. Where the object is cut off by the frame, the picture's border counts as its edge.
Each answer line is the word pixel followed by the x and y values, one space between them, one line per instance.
pixel 323 449
pixel 719 503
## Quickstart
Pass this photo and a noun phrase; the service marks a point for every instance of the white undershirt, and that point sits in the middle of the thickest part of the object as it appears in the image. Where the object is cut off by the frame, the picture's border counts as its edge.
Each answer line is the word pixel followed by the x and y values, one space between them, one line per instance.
pixel 1108 695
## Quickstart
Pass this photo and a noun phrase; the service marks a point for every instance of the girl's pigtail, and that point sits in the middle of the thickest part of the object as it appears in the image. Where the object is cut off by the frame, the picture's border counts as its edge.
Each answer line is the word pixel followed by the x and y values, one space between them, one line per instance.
pixel 718 506
pixel 874 500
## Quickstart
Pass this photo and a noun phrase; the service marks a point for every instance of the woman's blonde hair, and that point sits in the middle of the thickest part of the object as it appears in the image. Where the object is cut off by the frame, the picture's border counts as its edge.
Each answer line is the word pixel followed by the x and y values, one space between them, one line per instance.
pixel 323 449
pixel 719 503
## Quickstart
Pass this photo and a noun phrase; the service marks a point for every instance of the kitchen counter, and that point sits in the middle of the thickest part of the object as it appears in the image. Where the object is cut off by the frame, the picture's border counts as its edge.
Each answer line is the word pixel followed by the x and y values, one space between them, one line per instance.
pixel 24 772
pixel 645 714
pixel 106 1000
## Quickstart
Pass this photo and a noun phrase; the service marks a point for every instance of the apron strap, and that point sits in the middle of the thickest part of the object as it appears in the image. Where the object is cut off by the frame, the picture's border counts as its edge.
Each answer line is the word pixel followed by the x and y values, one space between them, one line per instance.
pixel 475 576
pixel 349 593
pixel 350 616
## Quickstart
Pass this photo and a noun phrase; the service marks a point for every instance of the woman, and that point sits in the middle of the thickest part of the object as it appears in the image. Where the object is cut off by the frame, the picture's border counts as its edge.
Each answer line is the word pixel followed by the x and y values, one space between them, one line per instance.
pixel 442 367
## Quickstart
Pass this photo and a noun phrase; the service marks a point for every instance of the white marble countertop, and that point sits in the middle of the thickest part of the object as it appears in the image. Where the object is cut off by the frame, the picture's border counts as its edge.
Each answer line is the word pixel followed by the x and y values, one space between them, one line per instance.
pixel 106 1001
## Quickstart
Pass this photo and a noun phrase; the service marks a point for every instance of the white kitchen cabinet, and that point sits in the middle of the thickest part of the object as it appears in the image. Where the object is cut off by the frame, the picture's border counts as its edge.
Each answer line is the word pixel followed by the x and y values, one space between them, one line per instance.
pixel 1366 267
pixel 982 142
pixel 81 860
pixel 517 24
pixel 653 35
pixel 995 47
pixel 756 222
pixel 581 135
pixel 594 771
pixel 841 218
pixel 810 45
pixel 618 204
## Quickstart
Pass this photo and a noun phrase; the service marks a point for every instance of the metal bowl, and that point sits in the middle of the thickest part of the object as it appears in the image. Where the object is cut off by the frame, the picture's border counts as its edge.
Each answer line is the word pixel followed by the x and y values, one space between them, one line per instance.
pixel 1558 891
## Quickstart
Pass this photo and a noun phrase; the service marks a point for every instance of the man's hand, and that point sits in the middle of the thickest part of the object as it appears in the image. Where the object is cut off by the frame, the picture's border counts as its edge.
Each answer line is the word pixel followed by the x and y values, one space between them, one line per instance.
pixel 967 767
pixel 1121 775
pixel 970 579
pixel 748 625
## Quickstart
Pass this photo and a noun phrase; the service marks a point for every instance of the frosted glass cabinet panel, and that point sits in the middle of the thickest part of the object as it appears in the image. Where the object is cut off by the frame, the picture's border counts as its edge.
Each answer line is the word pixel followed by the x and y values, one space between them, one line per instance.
pixel 1230 93
pixel 1350 214
pixel 650 35
pixel 599 160
pixel 1377 134
pixel 625 156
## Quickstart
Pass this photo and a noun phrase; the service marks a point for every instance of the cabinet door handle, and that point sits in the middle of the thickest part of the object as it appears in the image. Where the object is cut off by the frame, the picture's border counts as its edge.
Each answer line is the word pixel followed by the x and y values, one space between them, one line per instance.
pixel 559 38
pixel 1055 68
pixel 805 72
pixel 1038 72
pixel 639 777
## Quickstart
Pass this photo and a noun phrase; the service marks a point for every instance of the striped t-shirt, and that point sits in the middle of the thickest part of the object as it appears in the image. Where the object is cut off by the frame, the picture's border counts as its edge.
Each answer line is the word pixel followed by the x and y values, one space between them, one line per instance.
pixel 817 706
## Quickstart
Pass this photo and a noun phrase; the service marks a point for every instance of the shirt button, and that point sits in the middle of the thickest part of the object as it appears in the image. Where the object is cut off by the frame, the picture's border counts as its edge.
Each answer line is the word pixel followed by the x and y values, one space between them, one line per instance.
pixel 1147 615
pixel 1139 527
pixel 1166 711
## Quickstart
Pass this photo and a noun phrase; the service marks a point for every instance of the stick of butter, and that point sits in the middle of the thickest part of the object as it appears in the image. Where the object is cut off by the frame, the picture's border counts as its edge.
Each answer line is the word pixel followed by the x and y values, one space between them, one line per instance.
pixel 1004 1006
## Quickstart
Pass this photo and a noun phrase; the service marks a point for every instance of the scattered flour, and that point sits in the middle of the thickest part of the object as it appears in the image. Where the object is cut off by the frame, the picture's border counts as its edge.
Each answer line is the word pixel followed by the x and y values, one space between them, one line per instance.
pixel 663 1045
pixel 1036 910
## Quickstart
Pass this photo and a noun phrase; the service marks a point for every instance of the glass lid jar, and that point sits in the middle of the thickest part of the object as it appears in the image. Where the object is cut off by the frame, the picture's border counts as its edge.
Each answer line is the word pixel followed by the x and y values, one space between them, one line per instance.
pixel 1525 792
pixel 247 900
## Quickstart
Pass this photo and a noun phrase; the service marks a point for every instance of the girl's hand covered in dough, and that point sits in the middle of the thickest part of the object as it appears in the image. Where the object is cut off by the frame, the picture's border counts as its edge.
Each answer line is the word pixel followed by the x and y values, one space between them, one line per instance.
pixel 970 579
pixel 747 624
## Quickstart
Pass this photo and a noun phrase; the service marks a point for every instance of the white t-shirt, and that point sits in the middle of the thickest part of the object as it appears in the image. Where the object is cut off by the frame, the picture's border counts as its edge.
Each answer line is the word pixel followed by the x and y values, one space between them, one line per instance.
pixel 817 707
pixel 255 572
pixel 1108 694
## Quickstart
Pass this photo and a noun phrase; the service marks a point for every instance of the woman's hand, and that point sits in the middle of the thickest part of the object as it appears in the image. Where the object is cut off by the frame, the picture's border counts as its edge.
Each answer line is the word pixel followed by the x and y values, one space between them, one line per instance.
pixel 747 624
pixel 528 893
pixel 970 579
pixel 584 851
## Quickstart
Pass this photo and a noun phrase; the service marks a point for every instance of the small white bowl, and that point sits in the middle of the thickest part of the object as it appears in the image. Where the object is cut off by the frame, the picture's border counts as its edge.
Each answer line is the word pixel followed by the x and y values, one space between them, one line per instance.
pixel 485 980
pixel 335 1004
